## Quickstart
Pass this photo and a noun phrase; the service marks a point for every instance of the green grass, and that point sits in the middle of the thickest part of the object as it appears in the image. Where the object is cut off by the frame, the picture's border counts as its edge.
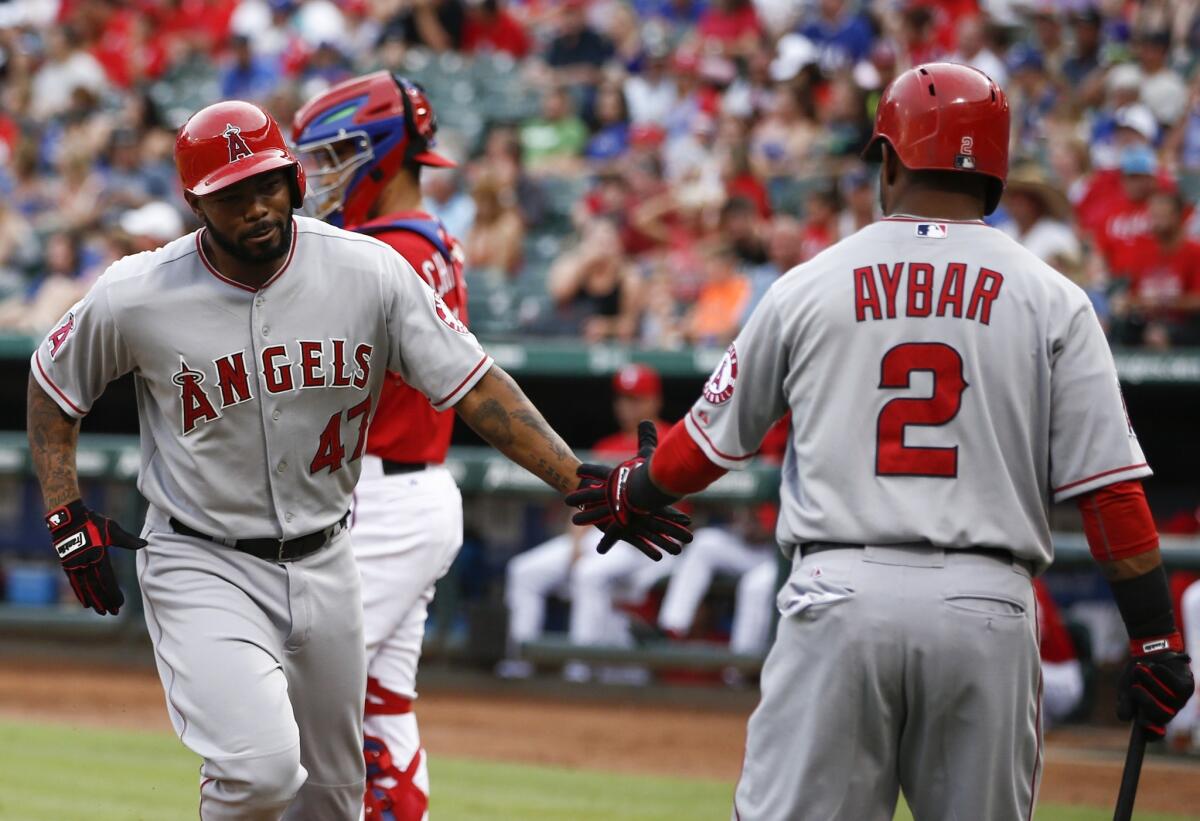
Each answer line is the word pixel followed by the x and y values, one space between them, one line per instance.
pixel 60 773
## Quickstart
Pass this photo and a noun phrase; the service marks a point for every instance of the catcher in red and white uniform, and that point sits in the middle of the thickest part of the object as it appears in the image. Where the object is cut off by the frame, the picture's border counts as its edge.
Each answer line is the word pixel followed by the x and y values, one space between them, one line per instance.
pixel 363 143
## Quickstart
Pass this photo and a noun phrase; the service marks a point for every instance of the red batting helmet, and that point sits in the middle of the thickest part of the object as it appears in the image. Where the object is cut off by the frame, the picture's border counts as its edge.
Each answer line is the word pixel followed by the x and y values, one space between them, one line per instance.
pixel 945 117
pixel 356 135
pixel 228 142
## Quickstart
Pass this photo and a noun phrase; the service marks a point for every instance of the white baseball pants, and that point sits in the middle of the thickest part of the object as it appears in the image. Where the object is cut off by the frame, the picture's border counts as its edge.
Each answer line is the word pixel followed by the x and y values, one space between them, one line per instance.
pixel 407 530
pixel 569 565
pixel 717 550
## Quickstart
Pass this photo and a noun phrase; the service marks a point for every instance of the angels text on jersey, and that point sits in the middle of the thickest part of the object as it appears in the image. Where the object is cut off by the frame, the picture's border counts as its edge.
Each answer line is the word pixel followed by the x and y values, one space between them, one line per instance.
pixel 283 368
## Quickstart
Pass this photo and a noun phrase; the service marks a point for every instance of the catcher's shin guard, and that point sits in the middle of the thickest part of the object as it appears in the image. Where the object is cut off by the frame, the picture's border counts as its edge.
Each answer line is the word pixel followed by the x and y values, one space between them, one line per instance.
pixel 391 794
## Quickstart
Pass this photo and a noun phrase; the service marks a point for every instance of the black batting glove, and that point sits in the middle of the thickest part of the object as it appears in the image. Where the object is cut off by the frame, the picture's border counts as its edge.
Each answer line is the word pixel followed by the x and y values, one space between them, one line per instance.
pixel 1155 684
pixel 81 540
pixel 604 499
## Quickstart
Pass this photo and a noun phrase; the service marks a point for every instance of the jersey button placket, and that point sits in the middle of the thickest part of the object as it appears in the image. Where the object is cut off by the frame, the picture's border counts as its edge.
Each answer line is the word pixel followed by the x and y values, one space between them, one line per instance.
pixel 259 342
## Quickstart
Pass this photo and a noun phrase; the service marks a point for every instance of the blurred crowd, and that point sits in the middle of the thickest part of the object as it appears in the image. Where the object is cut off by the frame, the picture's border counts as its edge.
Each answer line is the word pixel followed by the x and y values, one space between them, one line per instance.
pixel 638 170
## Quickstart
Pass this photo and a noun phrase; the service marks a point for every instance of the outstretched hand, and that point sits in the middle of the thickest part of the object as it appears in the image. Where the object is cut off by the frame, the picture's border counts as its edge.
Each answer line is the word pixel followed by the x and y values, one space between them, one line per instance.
pixel 81 540
pixel 604 500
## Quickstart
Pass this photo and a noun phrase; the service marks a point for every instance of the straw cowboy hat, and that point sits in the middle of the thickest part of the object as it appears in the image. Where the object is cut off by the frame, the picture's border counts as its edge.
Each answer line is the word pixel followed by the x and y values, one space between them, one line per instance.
pixel 1029 178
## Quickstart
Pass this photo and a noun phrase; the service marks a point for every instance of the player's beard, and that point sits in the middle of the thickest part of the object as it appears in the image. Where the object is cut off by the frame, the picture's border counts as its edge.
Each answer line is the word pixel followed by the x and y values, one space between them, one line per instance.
pixel 243 253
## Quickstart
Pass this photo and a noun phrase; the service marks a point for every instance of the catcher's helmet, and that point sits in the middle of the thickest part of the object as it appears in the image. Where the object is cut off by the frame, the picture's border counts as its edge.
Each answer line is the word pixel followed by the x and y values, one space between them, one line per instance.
pixel 355 136
pixel 228 142
pixel 949 117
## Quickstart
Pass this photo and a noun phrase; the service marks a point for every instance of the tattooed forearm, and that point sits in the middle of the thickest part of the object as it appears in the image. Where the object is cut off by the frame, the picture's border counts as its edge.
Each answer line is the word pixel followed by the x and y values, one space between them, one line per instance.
pixel 53 439
pixel 499 411
pixel 491 421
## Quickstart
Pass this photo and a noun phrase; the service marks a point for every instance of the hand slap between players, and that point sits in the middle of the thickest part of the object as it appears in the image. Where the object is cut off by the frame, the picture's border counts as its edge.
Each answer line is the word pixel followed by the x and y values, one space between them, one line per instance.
pixel 81 540
pixel 604 500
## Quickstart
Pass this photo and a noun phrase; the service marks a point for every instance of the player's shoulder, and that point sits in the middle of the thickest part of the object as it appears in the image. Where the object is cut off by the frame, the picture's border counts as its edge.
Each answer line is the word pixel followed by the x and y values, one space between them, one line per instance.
pixel 1018 264
pixel 339 240
pixel 801 277
pixel 352 251
pixel 146 268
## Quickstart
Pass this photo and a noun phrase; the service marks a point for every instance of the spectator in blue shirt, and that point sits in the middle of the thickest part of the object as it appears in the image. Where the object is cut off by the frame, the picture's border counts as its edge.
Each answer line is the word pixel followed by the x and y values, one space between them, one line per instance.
pixel 610 137
pixel 844 35
pixel 248 76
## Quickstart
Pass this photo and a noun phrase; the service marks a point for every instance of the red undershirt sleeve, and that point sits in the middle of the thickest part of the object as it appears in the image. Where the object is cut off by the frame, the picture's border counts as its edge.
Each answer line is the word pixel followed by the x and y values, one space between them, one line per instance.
pixel 679 467
pixel 1117 521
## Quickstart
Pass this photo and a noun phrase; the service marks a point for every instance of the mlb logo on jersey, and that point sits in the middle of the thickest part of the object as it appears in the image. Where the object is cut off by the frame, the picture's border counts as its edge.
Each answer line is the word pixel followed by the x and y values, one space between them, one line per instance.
pixel 931 230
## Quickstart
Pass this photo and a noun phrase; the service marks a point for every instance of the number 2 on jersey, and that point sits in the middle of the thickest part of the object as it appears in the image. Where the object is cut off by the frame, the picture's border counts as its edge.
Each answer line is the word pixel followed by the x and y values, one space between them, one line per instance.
pixel 892 456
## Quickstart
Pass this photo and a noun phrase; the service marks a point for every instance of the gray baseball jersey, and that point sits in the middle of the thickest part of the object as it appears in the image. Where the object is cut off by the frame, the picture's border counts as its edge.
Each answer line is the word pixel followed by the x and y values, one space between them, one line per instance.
pixel 254 405
pixel 943 384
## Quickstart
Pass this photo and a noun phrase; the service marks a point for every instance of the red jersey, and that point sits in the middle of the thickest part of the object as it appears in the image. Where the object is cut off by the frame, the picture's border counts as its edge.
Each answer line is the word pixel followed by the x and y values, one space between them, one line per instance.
pixel 729 26
pixel 405 427
pixel 1162 274
pixel 622 445
pixel 1056 644
pixel 1119 224
pixel 501 33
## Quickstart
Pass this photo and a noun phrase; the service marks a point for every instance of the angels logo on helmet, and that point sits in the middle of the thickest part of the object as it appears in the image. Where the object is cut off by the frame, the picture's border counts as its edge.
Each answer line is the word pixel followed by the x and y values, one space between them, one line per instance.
pixel 237 146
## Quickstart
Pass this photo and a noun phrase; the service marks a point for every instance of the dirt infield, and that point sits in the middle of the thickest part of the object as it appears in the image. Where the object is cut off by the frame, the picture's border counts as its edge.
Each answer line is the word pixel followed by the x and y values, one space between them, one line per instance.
pixel 1082 766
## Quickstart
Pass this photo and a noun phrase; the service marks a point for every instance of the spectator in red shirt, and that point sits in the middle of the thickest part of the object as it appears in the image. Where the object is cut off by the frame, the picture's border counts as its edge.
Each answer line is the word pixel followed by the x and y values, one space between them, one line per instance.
pixel 730 27
pixel 820 223
pixel 490 28
pixel 1125 221
pixel 1164 275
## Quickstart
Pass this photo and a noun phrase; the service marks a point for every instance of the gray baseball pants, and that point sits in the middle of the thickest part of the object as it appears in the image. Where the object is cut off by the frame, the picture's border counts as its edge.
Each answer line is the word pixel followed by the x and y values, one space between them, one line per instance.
pixel 264 672
pixel 898 668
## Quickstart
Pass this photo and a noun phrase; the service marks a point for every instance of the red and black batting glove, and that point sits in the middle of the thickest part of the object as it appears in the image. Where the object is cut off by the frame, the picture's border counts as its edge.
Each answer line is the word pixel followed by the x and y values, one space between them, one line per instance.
pixel 81 540
pixel 1155 684
pixel 625 504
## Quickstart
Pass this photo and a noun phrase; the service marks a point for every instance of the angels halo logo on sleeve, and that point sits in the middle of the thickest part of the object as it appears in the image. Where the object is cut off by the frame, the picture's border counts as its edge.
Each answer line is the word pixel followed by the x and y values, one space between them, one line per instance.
pixel 447 316
pixel 58 337
pixel 719 387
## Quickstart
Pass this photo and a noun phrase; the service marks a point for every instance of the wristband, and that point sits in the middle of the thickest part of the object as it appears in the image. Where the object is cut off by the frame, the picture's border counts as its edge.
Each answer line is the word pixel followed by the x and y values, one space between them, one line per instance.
pixel 64 515
pixel 643 493
pixel 1145 605
pixel 1156 644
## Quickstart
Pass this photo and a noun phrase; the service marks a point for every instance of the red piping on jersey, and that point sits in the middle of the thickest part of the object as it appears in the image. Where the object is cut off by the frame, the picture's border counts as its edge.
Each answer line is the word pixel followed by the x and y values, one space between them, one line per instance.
pixel 212 269
pixel 932 219
pixel 1037 754
pixel 680 466
pixel 692 413
pixel 467 379
pixel 204 784
pixel 57 389
pixel 1079 482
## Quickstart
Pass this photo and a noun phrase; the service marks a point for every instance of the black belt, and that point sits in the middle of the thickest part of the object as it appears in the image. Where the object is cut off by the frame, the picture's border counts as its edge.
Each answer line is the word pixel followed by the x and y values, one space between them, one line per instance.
pixel 272 550
pixel 809 548
pixel 391 468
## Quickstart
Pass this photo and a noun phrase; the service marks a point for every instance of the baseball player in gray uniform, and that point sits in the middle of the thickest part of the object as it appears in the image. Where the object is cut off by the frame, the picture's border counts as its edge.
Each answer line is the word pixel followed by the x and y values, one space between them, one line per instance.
pixel 259 345
pixel 944 386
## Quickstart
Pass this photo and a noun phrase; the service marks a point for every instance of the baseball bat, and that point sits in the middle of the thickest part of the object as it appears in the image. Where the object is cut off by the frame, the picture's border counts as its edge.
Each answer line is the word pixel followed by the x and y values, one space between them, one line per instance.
pixel 1129 777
